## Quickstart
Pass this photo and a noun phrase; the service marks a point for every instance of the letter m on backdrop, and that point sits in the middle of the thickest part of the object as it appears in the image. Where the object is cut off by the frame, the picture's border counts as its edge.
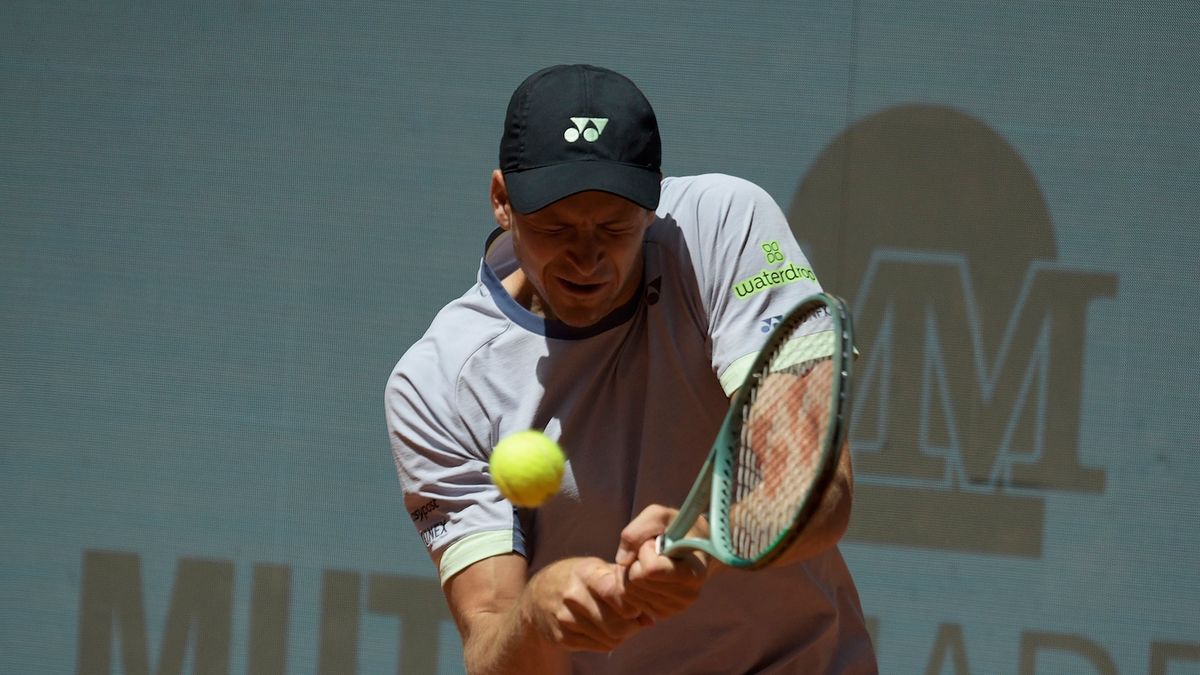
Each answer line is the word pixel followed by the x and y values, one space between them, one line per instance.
pixel 963 422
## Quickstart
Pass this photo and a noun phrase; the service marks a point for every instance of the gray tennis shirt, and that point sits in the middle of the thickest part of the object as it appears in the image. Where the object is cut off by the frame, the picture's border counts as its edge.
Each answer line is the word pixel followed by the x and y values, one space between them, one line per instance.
pixel 635 401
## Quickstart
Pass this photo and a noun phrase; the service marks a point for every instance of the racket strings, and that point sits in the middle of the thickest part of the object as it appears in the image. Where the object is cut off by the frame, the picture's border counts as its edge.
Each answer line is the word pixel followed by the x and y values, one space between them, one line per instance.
pixel 779 449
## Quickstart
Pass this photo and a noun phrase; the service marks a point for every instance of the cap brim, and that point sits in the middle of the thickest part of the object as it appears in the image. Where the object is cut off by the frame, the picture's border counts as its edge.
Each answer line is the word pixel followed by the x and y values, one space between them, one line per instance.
pixel 533 189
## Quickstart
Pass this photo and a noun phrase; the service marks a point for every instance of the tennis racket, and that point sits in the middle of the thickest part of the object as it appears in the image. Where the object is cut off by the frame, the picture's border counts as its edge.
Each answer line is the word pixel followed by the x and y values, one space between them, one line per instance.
pixel 778 448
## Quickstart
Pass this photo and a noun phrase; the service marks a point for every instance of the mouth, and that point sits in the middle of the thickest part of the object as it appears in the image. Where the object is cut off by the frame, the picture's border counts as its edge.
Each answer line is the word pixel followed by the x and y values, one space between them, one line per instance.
pixel 581 289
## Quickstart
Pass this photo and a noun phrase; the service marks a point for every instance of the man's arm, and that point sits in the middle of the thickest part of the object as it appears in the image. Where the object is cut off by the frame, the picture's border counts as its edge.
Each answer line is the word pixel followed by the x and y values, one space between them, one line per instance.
pixel 832 517
pixel 511 624
pixel 824 529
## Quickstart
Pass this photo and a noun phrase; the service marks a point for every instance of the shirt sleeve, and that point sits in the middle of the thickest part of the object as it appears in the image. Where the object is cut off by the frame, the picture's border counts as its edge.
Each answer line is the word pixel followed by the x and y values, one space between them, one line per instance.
pixel 443 469
pixel 749 267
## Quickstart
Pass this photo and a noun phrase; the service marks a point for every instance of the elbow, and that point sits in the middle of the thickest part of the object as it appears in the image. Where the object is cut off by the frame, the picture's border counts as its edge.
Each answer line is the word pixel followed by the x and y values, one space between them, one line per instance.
pixel 840 500
pixel 831 519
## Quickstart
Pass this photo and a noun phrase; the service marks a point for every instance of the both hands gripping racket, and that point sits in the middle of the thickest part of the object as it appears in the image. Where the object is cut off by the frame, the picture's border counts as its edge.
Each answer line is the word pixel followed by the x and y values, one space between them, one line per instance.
pixel 778 448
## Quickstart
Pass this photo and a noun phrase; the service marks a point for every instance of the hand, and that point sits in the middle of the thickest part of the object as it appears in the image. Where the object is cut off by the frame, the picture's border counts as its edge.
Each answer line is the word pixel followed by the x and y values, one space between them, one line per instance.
pixel 656 585
pixel 580 604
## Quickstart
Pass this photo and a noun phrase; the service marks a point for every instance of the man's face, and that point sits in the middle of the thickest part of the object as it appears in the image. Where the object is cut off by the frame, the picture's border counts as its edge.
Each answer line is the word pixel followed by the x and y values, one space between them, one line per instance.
pixel 582 254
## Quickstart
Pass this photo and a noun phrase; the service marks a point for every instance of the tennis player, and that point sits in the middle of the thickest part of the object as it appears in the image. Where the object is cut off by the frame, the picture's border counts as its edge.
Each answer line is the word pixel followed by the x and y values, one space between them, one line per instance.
pixel 617 310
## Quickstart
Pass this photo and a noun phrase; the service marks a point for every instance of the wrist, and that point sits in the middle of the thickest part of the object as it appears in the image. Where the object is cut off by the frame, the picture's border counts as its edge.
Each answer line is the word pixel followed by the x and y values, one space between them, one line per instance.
pixel 531 616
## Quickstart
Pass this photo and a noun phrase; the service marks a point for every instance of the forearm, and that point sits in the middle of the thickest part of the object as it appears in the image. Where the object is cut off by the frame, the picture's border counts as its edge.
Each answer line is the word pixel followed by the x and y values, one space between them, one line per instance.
pixel 533 627
pixel 491 602
pixel 511 642
pixel 832 516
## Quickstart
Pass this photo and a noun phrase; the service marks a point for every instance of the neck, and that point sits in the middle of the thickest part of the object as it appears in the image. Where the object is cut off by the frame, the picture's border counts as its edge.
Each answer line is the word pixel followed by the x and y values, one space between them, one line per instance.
pixel 518 286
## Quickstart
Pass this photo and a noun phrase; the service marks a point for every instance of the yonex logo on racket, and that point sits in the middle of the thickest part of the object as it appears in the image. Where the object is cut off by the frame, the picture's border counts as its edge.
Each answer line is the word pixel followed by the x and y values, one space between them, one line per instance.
pixel 588 128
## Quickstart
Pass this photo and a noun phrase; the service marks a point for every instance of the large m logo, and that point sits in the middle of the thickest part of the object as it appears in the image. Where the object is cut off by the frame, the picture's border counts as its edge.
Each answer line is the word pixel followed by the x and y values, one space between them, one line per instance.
pixel 957 432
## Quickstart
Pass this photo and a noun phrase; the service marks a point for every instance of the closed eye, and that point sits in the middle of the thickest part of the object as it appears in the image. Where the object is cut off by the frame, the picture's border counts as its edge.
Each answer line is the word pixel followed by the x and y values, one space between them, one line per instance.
pixel 619 230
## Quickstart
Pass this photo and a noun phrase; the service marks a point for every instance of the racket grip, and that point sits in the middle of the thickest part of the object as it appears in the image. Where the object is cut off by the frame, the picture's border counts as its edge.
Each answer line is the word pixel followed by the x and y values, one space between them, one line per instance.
pixel 658 544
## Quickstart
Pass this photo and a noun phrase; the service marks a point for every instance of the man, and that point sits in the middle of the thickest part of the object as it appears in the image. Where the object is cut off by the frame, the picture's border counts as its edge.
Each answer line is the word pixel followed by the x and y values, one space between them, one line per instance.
pixel 613 311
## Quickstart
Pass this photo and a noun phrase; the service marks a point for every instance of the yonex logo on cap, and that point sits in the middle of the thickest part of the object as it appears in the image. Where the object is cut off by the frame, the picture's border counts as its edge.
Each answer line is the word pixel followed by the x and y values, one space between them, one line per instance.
pixel 588 127
pixel 561 114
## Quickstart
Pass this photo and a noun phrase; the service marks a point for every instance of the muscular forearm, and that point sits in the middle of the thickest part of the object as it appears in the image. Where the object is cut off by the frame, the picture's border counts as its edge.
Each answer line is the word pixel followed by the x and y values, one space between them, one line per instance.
pixel 832 516
pixel 569 605
pixel 510 642
pixel 491 601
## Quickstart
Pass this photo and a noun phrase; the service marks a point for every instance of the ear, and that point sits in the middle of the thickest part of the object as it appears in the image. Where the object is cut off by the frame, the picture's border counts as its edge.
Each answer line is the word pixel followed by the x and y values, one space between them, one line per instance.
pixel 501 208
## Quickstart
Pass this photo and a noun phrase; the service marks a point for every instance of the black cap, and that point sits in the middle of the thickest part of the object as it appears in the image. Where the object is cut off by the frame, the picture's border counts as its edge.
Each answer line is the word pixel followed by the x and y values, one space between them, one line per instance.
pixel 576 128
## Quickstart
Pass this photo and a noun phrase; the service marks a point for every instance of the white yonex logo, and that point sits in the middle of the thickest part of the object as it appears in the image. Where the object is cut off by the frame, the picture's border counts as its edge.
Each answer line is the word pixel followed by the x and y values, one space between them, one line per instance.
pixel 588 127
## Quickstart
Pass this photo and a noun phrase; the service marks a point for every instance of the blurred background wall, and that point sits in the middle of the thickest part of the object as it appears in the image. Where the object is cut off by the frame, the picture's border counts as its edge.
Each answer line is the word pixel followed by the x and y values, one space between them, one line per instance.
pixel 221 223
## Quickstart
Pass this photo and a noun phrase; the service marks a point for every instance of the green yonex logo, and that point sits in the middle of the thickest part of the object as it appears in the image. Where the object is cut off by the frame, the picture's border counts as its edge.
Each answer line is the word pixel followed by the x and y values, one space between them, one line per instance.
pixel 589 128
pixel 768 278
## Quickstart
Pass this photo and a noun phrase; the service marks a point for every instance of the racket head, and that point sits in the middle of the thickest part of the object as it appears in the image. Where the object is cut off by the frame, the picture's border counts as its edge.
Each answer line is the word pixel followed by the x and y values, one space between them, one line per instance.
pixel 779 447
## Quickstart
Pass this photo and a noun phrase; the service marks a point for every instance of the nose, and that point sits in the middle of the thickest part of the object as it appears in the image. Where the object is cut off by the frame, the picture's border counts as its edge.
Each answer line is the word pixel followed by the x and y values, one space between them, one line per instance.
pixel 585 252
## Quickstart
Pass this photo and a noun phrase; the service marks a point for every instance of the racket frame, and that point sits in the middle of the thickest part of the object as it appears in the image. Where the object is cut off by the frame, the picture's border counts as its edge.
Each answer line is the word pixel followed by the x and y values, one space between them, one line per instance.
pixel 713 486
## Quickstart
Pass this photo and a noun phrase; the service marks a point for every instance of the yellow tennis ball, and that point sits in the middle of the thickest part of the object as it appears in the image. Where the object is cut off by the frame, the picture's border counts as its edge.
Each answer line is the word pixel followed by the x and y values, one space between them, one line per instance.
pixel 527 467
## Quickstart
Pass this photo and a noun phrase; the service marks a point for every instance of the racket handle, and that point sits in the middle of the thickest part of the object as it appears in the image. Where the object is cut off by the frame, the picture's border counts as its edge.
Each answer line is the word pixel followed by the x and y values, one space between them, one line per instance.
pixel 658 544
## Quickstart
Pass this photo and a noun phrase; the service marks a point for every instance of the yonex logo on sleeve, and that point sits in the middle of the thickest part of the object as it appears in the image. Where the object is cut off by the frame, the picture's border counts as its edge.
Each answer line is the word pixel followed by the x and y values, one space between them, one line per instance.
pixel 770 322
pixel 588 127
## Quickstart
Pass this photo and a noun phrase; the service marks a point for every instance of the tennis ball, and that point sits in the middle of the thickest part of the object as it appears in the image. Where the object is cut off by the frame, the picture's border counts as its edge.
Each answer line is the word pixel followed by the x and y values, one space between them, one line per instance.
pixel 527 467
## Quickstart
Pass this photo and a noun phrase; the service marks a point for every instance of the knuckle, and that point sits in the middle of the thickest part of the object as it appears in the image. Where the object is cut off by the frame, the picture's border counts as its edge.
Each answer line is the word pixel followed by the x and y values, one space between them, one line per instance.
pixel 569 605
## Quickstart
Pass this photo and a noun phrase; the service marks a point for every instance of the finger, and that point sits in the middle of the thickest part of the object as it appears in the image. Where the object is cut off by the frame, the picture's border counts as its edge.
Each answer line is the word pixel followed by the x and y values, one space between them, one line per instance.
pixel 597 621
pixel 578 641
pixel 652 567
pixel 607 584
pixel 664 593
pixel 598 607
pixel 663 601
pixel 647 525
pixel 658 604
